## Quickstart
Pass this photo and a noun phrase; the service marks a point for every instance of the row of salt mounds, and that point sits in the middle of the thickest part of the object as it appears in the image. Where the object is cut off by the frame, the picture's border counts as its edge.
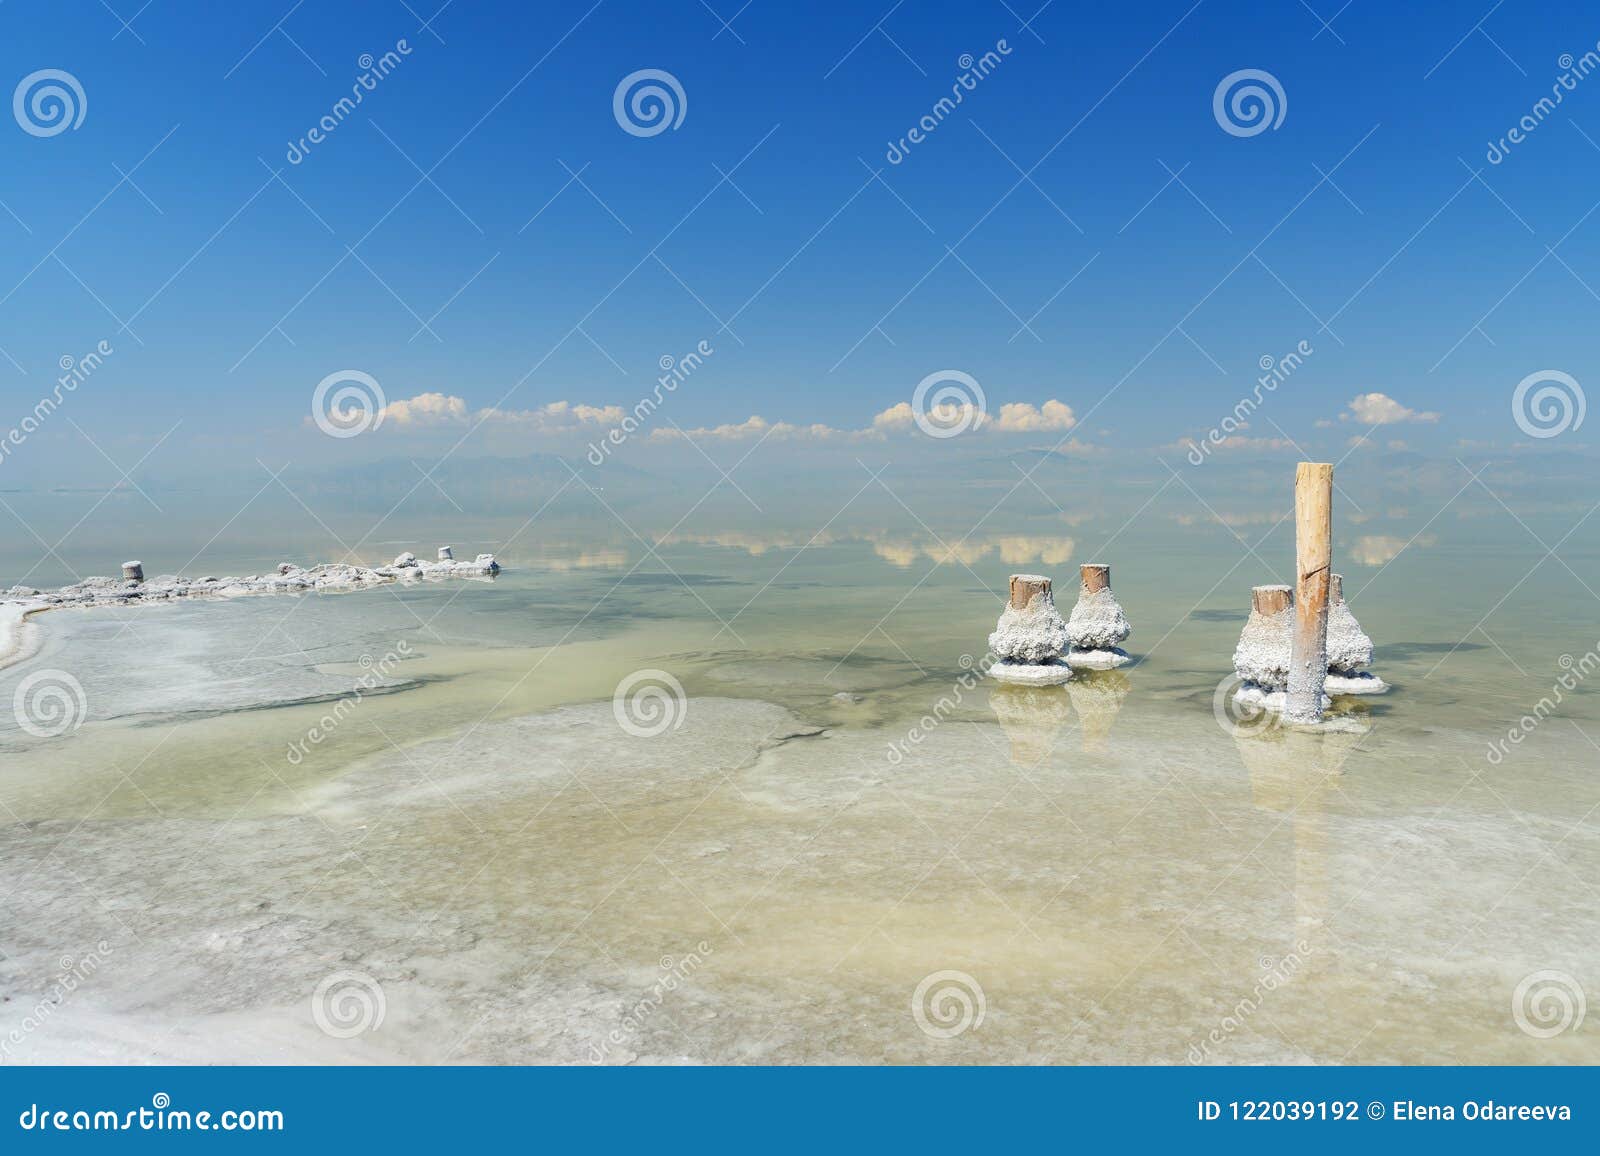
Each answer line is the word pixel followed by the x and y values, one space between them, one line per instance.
pixel 1097 625
pixel 1030 638
pixel 288 578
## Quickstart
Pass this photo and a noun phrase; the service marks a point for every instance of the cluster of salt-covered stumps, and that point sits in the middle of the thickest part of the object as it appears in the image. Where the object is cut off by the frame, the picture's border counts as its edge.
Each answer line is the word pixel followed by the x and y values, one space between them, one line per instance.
pixel 1262 657
pixel 288 578
pixel 1034 646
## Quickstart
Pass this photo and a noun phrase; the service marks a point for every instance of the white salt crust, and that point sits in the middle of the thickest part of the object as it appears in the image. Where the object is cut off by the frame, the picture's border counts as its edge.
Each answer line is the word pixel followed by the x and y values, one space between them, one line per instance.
pixel 288 578
pixel 1349 648
pixel 1254 694
pixel 1359 682
pixel 1097 621
pixel 1262 656
pixel 1107 659
pixel 1033 635
pixel 1052 672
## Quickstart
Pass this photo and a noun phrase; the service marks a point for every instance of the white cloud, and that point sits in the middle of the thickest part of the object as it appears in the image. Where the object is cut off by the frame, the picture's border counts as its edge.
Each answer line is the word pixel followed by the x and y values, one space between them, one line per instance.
pixel 426 409
pixel 433 409
pixel 1381 409
pixel 1020 417
pixel 438 409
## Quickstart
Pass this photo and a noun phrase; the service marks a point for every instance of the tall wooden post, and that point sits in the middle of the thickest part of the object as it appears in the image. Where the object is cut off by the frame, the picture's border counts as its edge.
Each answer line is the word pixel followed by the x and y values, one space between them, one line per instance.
pixel 1313 546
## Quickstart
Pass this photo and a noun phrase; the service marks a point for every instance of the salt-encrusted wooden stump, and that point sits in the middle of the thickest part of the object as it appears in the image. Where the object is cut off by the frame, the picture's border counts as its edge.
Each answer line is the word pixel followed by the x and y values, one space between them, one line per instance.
pixel 1349 649
pixel 1030 638
pixel 1097 624
pixel 1261 660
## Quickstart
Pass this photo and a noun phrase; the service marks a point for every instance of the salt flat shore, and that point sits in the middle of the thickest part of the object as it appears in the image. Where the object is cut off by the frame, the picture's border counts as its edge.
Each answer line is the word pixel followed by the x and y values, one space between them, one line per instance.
pixel 132 589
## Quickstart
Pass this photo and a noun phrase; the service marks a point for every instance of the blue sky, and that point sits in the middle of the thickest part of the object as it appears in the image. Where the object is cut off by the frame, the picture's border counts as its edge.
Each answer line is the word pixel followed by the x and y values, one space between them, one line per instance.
pixel 828 294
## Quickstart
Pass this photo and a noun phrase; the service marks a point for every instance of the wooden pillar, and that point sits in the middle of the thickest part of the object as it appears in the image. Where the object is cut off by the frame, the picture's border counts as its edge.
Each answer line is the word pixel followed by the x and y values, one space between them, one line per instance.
pixel 1313 545
pixel 1096 576
pixel 1335 589
pixel 1269 600
pixel 1025 586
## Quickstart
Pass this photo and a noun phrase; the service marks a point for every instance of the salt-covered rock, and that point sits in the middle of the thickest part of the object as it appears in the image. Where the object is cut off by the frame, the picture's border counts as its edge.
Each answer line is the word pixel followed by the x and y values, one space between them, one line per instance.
pixel 1030 638
pixel 405 558
pixel 1262 656
pixel 1349 649
pixel 1033 632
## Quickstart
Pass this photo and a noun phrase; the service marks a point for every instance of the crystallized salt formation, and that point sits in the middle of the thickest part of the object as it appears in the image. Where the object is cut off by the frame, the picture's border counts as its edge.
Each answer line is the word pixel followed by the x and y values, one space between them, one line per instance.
pixel 1349 648
pixel 1030 638
pixel 134 588
pixel 1097 624
pixel 1262 656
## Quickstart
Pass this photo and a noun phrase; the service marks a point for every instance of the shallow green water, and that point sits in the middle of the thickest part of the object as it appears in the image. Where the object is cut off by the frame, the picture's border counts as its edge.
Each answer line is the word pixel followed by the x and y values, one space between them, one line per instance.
pixel 1123 877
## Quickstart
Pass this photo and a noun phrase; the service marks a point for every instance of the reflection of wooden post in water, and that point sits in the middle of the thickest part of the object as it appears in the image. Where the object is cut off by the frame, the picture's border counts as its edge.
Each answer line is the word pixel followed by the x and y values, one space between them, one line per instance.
pixel 1313 544
pixel 1292 771
pixel 1032 717
pixel 1097 697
